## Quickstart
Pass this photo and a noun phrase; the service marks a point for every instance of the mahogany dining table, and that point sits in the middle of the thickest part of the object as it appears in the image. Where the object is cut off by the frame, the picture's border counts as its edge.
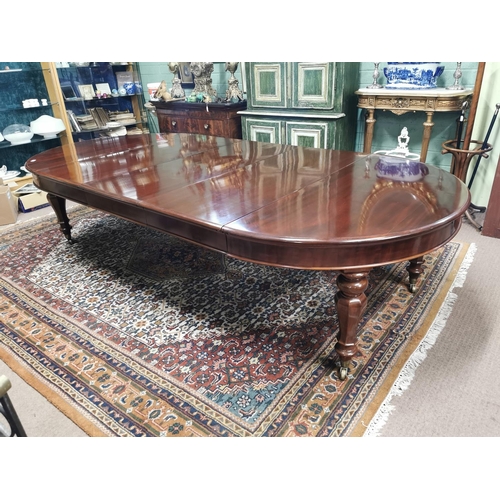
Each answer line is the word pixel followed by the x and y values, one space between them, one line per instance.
pixel 272 204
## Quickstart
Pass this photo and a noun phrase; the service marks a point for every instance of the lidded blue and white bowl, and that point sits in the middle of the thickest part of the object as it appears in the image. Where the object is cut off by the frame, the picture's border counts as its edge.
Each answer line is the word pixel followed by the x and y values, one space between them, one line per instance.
pixel 412 75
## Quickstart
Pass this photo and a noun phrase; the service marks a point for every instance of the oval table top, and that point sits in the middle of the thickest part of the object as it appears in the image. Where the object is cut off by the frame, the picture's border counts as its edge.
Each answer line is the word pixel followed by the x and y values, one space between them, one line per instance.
pixel 274 204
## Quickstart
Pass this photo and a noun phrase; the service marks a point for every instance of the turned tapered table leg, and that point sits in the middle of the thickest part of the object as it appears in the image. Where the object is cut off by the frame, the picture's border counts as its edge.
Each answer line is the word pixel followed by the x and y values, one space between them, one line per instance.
pixel 59 206
pixel 369 126
pixel 414 269
pixel 426 137
pixel 351 303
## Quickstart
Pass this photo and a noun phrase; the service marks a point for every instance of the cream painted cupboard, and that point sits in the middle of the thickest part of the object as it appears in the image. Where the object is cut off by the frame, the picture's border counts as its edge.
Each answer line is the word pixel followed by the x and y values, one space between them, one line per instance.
pixel 310 104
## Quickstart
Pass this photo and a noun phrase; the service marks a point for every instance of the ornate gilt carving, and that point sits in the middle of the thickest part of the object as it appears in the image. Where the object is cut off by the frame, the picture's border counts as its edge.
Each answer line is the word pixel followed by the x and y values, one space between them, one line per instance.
pixel 412 103
pixel 451 104
pixel 430 104
pixel 416 103
pixel 383 102
pixel 400 102
pixel 202 72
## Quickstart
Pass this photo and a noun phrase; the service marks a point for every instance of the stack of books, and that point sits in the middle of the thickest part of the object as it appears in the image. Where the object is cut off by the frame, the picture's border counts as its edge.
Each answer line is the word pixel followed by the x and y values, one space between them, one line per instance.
pixel 87 122
pixel 134 131
pixel 100 119
pixel 122 117
pixel 75 126
pixel 100 116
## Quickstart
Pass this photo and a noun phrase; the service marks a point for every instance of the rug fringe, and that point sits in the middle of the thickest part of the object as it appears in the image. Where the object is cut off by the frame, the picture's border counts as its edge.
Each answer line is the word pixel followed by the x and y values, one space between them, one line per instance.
pixel 407 373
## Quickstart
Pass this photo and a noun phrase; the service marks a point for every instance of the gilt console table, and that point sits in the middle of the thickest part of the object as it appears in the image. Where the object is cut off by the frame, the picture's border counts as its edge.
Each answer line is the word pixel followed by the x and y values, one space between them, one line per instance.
pixel 399 102
pixel 272 204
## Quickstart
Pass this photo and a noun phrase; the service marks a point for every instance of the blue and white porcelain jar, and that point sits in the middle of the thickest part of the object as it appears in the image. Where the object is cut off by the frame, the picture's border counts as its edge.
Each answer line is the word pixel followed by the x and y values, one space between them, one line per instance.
pixel 129 88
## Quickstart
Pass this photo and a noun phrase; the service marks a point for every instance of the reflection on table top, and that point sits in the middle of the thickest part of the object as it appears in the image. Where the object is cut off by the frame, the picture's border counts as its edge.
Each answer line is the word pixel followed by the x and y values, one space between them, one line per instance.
pixel 272 195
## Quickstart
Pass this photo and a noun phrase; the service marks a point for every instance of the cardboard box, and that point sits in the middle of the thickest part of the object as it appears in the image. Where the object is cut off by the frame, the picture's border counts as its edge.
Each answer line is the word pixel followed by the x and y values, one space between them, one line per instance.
pixel 34 201
pixel 17 182
pixel 8 206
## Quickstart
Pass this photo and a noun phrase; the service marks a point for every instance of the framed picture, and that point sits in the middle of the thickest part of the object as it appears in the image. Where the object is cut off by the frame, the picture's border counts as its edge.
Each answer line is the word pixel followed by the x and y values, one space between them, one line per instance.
pixel 187 78
pixel 103 88
pixel 86 91
pixel 68 91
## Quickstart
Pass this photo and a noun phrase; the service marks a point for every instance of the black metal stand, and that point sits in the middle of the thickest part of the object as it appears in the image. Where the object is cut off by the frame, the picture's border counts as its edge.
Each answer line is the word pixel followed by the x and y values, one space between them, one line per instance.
pixel 460 165
pixel 8 411
pixel 485 144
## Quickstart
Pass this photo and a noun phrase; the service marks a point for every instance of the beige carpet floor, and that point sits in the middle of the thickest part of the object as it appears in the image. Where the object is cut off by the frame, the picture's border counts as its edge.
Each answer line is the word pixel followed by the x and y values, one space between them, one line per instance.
pixel 455 390
pixel 452 391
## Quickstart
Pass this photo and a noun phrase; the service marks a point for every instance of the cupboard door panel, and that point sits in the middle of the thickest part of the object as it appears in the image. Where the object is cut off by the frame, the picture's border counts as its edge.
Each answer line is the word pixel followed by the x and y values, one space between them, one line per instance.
pixel 313 85
pixel 307 134
pixel 268 84
pixel 262 130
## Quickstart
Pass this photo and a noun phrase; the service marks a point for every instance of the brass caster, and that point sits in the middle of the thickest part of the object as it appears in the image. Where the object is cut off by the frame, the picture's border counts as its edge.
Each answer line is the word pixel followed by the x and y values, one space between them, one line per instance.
pixel 413 287
pixel 343 372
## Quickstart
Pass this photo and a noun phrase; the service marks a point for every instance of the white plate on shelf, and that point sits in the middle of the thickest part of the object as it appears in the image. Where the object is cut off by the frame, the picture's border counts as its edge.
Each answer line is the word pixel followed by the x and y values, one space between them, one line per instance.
pixel 10 174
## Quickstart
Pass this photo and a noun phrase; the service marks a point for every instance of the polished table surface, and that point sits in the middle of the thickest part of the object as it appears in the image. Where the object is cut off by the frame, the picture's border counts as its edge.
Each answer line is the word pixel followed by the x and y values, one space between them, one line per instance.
pixel 272 204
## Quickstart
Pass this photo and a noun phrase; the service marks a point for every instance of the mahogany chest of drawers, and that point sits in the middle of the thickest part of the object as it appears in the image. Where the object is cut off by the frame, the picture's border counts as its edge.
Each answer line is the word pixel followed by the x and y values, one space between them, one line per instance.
pixel 219 119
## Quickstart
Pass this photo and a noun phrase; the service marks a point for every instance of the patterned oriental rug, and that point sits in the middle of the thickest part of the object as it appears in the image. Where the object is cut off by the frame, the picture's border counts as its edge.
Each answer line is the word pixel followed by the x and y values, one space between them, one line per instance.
pixel 130 332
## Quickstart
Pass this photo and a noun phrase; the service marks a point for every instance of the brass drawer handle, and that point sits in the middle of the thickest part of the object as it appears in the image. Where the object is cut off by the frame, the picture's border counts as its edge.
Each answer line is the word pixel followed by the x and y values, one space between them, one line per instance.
pixel 174 124
pixel 206 126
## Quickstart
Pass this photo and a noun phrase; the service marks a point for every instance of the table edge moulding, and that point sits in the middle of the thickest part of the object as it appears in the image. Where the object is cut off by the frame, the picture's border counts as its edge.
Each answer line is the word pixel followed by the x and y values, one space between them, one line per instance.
pixel 273 204
pixel 402 101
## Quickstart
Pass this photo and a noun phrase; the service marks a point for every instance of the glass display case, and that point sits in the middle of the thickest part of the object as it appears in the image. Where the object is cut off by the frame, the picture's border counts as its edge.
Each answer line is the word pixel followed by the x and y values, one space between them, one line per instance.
pixel 23 99
pixel 102 98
